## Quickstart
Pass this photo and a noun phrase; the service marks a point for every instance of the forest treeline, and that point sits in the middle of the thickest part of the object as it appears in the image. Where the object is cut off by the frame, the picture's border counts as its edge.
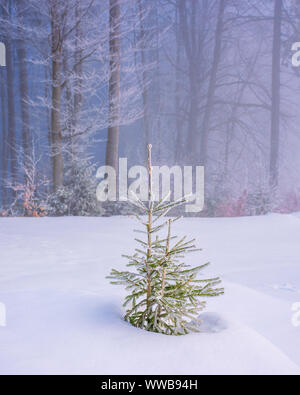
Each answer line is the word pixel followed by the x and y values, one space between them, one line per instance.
pixel 206 82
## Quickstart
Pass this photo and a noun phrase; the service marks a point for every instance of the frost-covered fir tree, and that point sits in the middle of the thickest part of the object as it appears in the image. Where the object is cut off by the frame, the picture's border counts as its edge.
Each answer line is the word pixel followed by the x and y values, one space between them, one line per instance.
pixel 78 194
pixel 165 293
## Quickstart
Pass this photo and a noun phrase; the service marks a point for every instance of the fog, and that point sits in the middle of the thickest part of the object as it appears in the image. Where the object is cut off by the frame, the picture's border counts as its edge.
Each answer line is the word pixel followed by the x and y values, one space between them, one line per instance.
pixel 207 83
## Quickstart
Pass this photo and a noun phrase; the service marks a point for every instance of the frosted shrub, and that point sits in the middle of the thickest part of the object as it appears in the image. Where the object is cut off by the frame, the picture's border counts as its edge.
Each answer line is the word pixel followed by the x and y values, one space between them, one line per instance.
pixel 78 195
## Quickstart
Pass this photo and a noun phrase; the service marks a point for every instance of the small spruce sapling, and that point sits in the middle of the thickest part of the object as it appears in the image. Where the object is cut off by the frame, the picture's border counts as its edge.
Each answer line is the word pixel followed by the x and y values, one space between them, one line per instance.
pixel 164 291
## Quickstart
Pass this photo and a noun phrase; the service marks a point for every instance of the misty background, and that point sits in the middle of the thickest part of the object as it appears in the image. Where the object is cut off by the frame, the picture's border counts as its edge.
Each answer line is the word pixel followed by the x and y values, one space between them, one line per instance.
pixel 206 82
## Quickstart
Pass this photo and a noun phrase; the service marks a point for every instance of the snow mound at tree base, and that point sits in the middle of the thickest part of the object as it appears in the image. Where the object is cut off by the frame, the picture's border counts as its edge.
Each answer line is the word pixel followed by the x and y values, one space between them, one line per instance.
pixel 65 333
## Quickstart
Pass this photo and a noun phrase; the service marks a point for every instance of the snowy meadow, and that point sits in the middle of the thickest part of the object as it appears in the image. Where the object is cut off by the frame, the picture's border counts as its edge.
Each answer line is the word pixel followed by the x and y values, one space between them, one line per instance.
pixel 63 316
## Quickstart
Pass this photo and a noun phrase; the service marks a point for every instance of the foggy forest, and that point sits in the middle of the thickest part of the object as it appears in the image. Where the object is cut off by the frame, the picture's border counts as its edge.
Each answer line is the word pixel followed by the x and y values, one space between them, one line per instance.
pixel 207 83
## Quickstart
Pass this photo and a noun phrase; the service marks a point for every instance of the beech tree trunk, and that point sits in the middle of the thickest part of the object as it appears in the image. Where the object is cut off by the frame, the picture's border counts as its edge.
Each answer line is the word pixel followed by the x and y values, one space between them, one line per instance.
pixel 144 75
pixel 4 159
pixel 275 112
pixel 189 39
pixel 112 147
pixel 212 84
pixel 78 81
pixel 23 91
pixel 56 134
pixel 11 129
pixel 11 113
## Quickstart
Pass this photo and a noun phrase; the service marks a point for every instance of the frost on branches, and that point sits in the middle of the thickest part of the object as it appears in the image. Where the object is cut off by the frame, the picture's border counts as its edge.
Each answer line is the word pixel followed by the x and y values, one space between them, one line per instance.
pixel 78 195
pixel 165 293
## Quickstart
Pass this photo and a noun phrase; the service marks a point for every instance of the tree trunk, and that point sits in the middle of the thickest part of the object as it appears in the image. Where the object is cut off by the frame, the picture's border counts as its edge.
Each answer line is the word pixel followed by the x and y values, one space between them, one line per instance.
pixel 56 135
pixel 78 80
pixel 212 84
pixel 11 104
pixel 275 114
pixel 112 147
pixel 188 32
pixel 179 137
pixel 157 89
pixel 23 92
pixel 4 146
pixel 144 75
pixel 11 113
pixel 4 141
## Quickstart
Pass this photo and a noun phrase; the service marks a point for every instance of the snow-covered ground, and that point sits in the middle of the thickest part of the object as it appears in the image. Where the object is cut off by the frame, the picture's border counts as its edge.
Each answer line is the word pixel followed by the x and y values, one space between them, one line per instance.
pixel 63 316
